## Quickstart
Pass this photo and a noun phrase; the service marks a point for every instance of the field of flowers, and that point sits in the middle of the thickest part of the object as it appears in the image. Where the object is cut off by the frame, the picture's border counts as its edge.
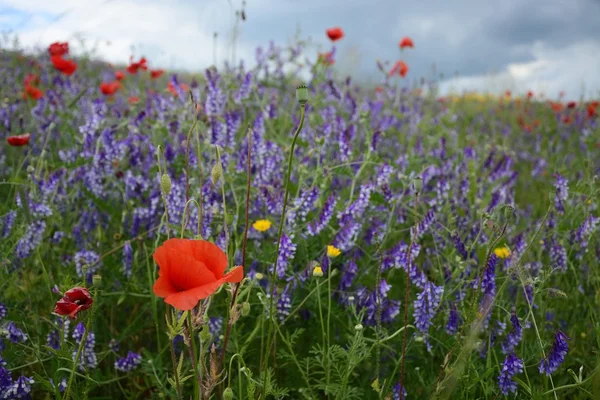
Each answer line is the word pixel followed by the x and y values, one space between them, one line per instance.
pixel 239 235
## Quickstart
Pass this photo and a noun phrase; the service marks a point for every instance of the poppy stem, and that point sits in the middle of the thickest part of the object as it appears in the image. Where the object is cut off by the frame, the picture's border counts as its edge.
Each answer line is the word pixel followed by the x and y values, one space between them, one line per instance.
pixel 79 350
pixel 272 274
pixel 174 361
pixel 193 355
pixel 247 222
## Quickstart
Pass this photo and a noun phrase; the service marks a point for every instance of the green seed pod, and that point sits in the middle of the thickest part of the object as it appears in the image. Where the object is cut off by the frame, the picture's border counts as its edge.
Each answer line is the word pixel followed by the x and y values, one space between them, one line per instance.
pixel 97 281
pixel 245 309
pixel 302 94
pixel 229 217
pixel 216 173
pixel 165 184
pixel 228 394
pixel 418 183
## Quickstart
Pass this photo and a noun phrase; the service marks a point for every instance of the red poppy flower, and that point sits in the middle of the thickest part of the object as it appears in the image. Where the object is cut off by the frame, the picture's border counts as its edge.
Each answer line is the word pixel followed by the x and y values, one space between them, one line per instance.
pixel 31 79
pixel 110 88
pixel 156 73
pixel 399 68
pixel 119 75
pixel 182 86
pixel 591 111
pixel 567 119
pixel 133 100
pixel 67 67
pixel 191 270
pixel 557 107
pixel 18 140
pixel 58 49
pixel 406 42
pixel 571 104
pixel 529 94
pixel 335 33
pixel 134 66
pixel 73 301
pixel 326 58
pixel 378 89
pixel 32 92
pixel 508 93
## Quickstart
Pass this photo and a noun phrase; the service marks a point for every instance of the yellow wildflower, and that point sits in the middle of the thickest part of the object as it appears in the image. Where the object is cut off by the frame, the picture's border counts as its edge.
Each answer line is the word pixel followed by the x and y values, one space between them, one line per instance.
pixel 262 225
pixel 502 252
pixel 333 251
pixel 318 271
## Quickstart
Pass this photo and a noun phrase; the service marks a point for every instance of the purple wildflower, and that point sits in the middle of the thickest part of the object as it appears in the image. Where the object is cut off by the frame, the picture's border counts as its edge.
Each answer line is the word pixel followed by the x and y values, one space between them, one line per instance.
pixel 20 389
pixel 53 339
pixel 88 259
pixel 244 90
pixel 284 303
pixel 453 321
pixel 129 362
pixel 512 366
pixel 315 227
pixel 127 259
pixel 3 311
pixel 557 354
pixel 417 231
pixel 426 305
pixel 398 392
pixel 31 239
pixel 88 355
pixel 586 229
pixel 14 334
pixel 562 193
pixel 558 256
pixel 488 283
pixel 9 222
pixel 287 250
pixel 515 336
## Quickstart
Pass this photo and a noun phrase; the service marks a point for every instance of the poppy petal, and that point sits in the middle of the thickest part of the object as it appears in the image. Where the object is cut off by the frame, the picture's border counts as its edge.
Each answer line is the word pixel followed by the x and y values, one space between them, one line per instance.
pixel 186 272
pixel 188 299
pixel 235 275
pixel 209 253
pixel 163 287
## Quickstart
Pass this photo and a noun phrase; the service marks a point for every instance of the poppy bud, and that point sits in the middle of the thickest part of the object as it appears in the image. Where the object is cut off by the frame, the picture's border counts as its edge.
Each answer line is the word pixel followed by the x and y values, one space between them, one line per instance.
pixel 229 217
pixel 216 173
pixel 302 94
pixel 228 394
pixel 245 309
pixel 97 281
pixel 418 183
pixel 165 184
pixel 358 327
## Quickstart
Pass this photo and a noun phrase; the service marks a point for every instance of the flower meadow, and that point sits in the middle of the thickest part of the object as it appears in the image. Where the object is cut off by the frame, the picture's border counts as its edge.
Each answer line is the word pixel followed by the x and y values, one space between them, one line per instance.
pixel 278 231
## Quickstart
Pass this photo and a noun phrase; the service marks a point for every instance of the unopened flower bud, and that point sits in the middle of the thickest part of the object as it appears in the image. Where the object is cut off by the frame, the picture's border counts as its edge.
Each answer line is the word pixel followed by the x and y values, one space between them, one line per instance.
pixel 245 309
pixel 216 173
pixel 317 271
pixel 165 184
pixel 228 394
pixel 358 327
pixel 302 94
pixel 229 217
pixel 97 281
pixel 418 183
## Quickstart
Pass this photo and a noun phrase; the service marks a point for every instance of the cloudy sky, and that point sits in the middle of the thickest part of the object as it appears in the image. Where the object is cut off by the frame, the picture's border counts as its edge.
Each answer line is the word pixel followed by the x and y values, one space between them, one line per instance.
pixel 544 45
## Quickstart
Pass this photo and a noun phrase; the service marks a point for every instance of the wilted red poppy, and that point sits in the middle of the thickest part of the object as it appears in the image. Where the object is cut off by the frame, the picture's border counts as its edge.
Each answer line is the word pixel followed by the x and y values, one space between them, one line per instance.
pixel 571 104
pixel 18 140
pixel 58 49
pixel 326 58
pixel 119 75
pixel 191 270
pixel 399 68
pixel 529 94
pixel 406 42
pixel 32 92
pixel 133 100
pixel 67 67
pixel 567 119
pixel 110 88
pixel 335 33
pixel 73 301
pixel 134 66
pixel 156 73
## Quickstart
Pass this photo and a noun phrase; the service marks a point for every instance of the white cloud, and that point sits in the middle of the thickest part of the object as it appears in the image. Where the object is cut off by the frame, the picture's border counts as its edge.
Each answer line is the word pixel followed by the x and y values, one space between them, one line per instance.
pixel 551 72
pixel 170 34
